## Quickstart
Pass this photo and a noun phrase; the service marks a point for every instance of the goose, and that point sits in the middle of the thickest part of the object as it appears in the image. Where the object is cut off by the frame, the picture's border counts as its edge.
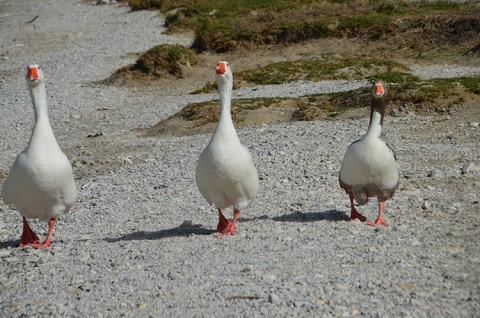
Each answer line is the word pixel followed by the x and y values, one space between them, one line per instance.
pixel 225 174
pixel 369 167
pixel 40 183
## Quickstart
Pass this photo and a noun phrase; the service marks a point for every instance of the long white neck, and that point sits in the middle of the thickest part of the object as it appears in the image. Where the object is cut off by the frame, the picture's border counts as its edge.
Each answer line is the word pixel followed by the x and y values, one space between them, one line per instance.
pixel 42 132
pixel 375 127
pixel 225 127
pixel 39 100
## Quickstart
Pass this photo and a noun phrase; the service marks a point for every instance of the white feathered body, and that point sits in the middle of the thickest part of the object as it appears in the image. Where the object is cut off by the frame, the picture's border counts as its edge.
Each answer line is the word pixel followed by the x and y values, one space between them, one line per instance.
pixel 226 175
pixel 41 183
pixel 369 167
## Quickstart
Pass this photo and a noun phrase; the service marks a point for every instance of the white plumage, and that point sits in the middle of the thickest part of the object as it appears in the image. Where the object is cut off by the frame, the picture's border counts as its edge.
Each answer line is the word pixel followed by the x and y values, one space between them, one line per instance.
pixel 225 173
pixel 40 183
pixel 369 167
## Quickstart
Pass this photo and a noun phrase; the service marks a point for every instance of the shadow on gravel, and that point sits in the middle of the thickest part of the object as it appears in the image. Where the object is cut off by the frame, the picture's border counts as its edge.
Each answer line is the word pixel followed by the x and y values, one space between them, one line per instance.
pixel 157 235
pixel 330 215
pixel 7 244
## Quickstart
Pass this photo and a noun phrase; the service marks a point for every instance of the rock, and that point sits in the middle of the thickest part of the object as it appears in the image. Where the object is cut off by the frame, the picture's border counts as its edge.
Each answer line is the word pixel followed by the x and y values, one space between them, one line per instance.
pixel 4 253
pixel 435 173
pixel 100 2
pixel 299 304
pixel 320 301
pixel 395 112
pixel 127 161
pixel 468 167
pixel 473 124
pixel 186 223
pixel 426 205
pixel 269 278
pixel 247 269
pixel 77 163
pixel 273 298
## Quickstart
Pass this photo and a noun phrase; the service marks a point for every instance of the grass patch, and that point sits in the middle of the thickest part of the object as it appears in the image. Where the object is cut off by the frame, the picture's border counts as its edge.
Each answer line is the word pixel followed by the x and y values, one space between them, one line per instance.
pixel 426 94
pixel 209 111
pixel 160 61
pixel 224 25
pixel 432 95
pixel 327 67
pixel 166 59
pixel 435 95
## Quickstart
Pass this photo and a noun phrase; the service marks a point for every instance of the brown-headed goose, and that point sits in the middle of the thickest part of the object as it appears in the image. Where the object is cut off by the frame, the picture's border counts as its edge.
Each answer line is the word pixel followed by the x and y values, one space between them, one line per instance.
pixel 369 167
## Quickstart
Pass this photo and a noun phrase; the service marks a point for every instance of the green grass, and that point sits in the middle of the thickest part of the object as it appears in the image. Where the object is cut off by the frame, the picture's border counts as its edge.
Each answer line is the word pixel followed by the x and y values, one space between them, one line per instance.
pixel 327 68
pixel 433 94
pixel 195 111
pixel 162 61
pixel 224 25
pixel 166 58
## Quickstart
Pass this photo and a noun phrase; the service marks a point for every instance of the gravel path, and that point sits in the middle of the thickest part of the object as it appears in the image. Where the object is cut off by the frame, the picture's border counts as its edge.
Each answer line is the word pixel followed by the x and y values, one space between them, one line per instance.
pixel 139 241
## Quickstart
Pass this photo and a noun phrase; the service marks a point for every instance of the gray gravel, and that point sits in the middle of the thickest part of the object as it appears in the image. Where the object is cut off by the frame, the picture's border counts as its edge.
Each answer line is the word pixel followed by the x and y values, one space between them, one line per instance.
pixel 139 241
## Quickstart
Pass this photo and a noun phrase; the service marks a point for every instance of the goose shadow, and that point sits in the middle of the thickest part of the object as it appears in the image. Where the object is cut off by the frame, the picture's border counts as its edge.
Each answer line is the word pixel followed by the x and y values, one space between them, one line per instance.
pixel 7 244
pixel 196 229
pixel 329 215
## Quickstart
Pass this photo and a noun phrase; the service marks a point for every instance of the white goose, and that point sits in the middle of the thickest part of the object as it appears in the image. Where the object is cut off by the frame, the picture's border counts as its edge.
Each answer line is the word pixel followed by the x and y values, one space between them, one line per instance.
pixel 225 173
pixel 40 183
pixel 369 167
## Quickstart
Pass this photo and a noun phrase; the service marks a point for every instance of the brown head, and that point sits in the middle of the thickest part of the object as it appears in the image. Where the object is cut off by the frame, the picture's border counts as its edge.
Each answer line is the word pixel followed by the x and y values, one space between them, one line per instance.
pixel 378 99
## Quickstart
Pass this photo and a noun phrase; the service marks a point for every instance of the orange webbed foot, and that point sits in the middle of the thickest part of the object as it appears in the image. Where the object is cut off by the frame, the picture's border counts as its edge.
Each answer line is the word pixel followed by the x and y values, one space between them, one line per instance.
pixel 353 212
pixel 230 228
pixel 40 245
pixel 377 222
pixel 28 236
pixel 223 224
pixel 46 243
pixel 355 215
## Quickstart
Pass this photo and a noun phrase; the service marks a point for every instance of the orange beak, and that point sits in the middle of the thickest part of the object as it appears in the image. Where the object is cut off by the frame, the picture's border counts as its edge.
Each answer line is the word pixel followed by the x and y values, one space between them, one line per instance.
pixel 32 73
pixel 220 69
pixel 378 90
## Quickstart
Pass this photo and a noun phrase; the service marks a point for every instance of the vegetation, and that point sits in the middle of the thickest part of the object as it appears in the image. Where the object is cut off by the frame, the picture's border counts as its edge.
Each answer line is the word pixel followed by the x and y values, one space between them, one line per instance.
pixel 223 25
pixel 327 67
pixel 436 95
pixel 386 31
pixel 164 60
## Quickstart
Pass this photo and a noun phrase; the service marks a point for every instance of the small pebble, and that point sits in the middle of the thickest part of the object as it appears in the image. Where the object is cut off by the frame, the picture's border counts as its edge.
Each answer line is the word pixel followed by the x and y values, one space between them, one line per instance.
pixel 426 205
pixel 269 278
pixel 273 298
pixel 468 167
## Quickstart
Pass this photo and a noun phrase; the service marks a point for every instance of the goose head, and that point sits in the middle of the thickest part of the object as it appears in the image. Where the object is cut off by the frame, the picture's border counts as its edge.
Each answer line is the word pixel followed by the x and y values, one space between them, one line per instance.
pixel 378 99
pixel 224 74
pixel 35 75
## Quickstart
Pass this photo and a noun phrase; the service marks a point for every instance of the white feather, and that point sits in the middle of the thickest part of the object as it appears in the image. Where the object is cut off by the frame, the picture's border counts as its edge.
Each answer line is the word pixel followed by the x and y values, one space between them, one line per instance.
pixel 40 183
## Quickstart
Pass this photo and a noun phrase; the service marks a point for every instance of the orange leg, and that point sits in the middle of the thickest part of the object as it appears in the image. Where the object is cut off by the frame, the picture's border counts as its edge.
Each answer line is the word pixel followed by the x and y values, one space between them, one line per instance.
pixel 46 243
pixel 223 223
pixel 354 213
pixel 379 220
pixel 28 236
pixel 231 229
